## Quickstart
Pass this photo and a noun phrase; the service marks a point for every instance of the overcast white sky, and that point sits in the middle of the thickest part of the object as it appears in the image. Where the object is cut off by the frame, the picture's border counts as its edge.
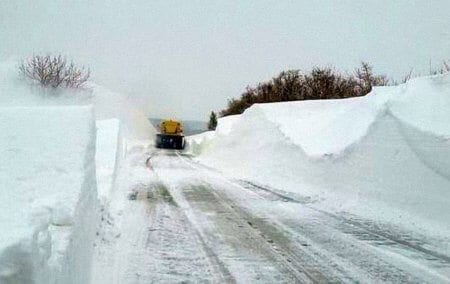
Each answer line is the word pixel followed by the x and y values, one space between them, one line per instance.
pixel 185 58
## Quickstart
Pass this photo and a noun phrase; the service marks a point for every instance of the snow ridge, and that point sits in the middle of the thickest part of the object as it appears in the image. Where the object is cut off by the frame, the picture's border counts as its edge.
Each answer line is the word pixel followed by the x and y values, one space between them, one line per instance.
pixel 383 156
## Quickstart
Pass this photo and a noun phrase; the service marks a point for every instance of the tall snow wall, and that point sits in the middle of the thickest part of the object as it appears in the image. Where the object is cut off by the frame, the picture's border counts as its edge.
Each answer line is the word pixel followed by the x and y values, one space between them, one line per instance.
pixel 384 156
pixel 49 199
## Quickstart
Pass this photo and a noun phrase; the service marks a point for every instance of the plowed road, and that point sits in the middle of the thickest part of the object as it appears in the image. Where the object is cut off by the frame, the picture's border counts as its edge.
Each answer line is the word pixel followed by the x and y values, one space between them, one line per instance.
pixel 192 224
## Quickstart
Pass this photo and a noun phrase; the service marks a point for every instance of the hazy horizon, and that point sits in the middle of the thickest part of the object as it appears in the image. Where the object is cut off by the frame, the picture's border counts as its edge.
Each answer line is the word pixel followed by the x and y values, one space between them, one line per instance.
pixel 183 60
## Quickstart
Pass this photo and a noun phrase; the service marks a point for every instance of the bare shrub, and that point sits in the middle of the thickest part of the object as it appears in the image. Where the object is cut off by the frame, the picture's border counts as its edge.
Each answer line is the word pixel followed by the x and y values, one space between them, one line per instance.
pixel 325 83
pixel 446 66
pixel 439 69
pixel 366 80
pixel 54 71
pixel 407 77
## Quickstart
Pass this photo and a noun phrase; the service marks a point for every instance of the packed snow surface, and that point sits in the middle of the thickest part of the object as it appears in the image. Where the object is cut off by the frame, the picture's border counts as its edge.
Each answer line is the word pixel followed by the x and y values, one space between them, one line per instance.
pixel 384 156
pixel 48 196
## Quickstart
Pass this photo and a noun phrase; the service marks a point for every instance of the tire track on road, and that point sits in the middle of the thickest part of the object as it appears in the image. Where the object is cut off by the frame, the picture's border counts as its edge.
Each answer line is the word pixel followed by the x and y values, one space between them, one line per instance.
pixel 376 234
pixel 381 267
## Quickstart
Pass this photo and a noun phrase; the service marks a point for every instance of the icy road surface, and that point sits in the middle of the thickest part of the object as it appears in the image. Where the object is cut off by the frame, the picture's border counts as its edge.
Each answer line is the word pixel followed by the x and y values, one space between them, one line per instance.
pixel 173 220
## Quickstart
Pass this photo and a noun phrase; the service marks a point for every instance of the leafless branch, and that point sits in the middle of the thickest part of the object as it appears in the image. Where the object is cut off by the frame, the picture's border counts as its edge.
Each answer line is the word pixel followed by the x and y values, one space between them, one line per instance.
pixel 54 71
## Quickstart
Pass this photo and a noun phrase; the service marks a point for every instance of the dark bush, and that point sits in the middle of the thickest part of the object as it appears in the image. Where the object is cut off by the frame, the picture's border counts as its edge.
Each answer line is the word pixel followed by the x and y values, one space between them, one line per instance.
pixel 54 71
pixel 212 124
pixel 320 83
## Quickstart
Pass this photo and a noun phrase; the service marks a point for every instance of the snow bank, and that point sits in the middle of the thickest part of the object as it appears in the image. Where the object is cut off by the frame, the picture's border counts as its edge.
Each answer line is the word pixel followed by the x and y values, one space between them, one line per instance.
pixel 49 200
pixel 107 104
pixel 384 156
pixel 198 143
pixel 109 153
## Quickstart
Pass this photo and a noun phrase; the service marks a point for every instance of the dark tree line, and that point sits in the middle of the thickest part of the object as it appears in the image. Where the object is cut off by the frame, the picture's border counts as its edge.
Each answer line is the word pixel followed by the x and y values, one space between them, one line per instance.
pixel 320 83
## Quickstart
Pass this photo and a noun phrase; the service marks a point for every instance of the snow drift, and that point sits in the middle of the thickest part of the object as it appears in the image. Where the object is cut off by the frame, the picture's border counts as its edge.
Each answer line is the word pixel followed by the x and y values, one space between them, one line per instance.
pixel 384 156
pixel 49 200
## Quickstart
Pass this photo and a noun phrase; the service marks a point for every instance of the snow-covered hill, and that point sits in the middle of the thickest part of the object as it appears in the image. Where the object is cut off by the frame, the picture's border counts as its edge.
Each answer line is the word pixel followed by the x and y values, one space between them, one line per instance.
pixel 384 156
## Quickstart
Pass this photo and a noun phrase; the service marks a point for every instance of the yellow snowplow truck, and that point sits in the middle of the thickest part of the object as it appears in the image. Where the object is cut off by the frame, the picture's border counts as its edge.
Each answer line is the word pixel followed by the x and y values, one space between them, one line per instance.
pixel 171 135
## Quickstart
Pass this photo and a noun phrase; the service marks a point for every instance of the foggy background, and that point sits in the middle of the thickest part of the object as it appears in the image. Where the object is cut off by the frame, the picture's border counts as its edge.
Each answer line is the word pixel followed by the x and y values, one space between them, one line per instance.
pixel 183 59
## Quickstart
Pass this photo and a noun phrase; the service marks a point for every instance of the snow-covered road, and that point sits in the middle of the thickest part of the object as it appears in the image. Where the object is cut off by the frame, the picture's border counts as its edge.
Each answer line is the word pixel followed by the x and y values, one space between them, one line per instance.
pixel 174 220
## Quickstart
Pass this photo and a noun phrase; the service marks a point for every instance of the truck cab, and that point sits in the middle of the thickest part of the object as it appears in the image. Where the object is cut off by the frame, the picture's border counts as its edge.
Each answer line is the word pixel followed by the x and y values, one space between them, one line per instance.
pixel 171 135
